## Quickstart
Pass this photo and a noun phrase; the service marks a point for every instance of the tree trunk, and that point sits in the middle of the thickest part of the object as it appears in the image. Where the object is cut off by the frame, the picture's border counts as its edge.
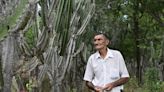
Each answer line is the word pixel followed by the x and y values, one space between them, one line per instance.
pixel 136 38
pixel 1 75
pixel 161 63
pixel 161 71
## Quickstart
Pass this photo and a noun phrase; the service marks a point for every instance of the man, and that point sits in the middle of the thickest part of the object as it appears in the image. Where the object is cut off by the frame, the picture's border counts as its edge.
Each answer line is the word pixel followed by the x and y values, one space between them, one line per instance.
pixel 106 70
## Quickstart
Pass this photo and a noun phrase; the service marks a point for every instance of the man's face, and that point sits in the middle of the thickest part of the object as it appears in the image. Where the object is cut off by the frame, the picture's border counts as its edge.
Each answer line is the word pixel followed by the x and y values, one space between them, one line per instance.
pixel 100 42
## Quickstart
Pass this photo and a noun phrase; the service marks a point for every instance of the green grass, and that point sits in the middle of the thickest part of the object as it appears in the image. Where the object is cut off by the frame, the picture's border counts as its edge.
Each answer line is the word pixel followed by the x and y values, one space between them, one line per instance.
pixel 132 86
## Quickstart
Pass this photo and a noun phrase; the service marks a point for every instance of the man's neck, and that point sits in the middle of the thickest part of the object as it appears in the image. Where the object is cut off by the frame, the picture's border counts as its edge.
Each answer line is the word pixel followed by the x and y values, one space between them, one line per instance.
pixel 103 52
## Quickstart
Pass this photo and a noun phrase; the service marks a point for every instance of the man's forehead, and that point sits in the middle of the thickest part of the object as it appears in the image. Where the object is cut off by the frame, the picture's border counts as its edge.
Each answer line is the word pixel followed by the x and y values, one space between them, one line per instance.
pixel 99 36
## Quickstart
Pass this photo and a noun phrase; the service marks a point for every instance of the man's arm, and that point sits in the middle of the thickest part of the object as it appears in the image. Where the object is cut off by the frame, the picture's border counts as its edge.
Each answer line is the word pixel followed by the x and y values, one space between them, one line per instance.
pixel 119 82
pixel 92 87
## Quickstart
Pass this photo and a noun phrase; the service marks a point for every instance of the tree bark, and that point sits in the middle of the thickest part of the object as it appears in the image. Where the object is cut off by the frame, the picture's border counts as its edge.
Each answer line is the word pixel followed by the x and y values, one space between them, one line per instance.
pixel 137 38
pixel 1 75
pixel 161 63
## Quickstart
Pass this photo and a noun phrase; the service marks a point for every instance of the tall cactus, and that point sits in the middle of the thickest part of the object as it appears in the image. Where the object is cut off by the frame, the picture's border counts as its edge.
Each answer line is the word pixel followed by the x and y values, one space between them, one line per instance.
pixel 54 42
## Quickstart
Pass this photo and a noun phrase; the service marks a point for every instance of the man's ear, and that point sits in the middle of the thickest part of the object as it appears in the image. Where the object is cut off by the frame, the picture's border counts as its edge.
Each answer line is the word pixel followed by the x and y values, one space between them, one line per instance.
pixel 107 42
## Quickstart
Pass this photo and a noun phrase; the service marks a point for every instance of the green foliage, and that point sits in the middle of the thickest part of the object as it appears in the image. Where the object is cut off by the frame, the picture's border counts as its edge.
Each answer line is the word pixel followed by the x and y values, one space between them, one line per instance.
pixel 29 86
pixel 152 82
pixel 127 46
pixel 72 90
pixel 112 16
pixel 29 36
pixel 3 31
pixel 162 86
pixel 132 85
pixel 11 20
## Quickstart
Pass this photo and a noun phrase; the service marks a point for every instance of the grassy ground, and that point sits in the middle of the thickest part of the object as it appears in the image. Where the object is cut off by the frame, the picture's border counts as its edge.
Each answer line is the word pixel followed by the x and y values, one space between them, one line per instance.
pixel 148 86
pixel 132 86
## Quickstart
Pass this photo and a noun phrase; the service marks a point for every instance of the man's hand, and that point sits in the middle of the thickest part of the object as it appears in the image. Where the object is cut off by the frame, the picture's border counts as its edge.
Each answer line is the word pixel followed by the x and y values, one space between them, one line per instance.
pixel 98 89
pixel 95 88
pixel 119 82
pixel 109 86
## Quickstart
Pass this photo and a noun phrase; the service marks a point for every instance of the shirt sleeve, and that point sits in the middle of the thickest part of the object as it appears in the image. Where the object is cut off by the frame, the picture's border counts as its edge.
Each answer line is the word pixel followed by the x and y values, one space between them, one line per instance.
pixel 88 76
pixel 123 69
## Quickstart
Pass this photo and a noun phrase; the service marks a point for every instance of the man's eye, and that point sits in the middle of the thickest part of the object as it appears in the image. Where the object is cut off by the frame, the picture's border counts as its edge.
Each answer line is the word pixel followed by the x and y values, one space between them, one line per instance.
pixel 97 39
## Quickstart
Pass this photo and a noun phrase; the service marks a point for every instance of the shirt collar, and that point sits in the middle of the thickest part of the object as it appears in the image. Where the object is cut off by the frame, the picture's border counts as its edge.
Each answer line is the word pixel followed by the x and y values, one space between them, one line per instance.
pixel 109 54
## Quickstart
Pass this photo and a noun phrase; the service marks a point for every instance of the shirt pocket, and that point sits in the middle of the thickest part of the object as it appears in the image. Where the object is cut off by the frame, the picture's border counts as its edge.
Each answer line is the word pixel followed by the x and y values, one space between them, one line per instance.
pixel 114 74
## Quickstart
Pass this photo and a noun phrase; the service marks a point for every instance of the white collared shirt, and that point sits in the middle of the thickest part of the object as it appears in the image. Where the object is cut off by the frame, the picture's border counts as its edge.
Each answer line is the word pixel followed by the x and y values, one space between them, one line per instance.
pixel 101 71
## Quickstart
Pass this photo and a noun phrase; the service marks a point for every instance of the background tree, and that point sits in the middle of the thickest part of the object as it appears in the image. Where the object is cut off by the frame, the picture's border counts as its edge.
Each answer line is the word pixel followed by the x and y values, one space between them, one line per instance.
pixel 133 29
pixel 46 49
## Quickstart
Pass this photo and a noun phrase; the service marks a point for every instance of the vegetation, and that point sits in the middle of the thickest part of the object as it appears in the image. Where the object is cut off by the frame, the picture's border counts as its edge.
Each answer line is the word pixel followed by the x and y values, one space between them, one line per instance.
pixel 45 44
pixel 8 21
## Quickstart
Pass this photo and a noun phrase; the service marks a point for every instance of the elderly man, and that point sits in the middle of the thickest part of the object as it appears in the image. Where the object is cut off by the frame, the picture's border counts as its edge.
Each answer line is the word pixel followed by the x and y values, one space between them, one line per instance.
pixel 106 70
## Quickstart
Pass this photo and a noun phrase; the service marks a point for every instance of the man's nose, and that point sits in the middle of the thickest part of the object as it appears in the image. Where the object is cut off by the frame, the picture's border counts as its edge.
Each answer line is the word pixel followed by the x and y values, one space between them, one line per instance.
pixel 96 42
